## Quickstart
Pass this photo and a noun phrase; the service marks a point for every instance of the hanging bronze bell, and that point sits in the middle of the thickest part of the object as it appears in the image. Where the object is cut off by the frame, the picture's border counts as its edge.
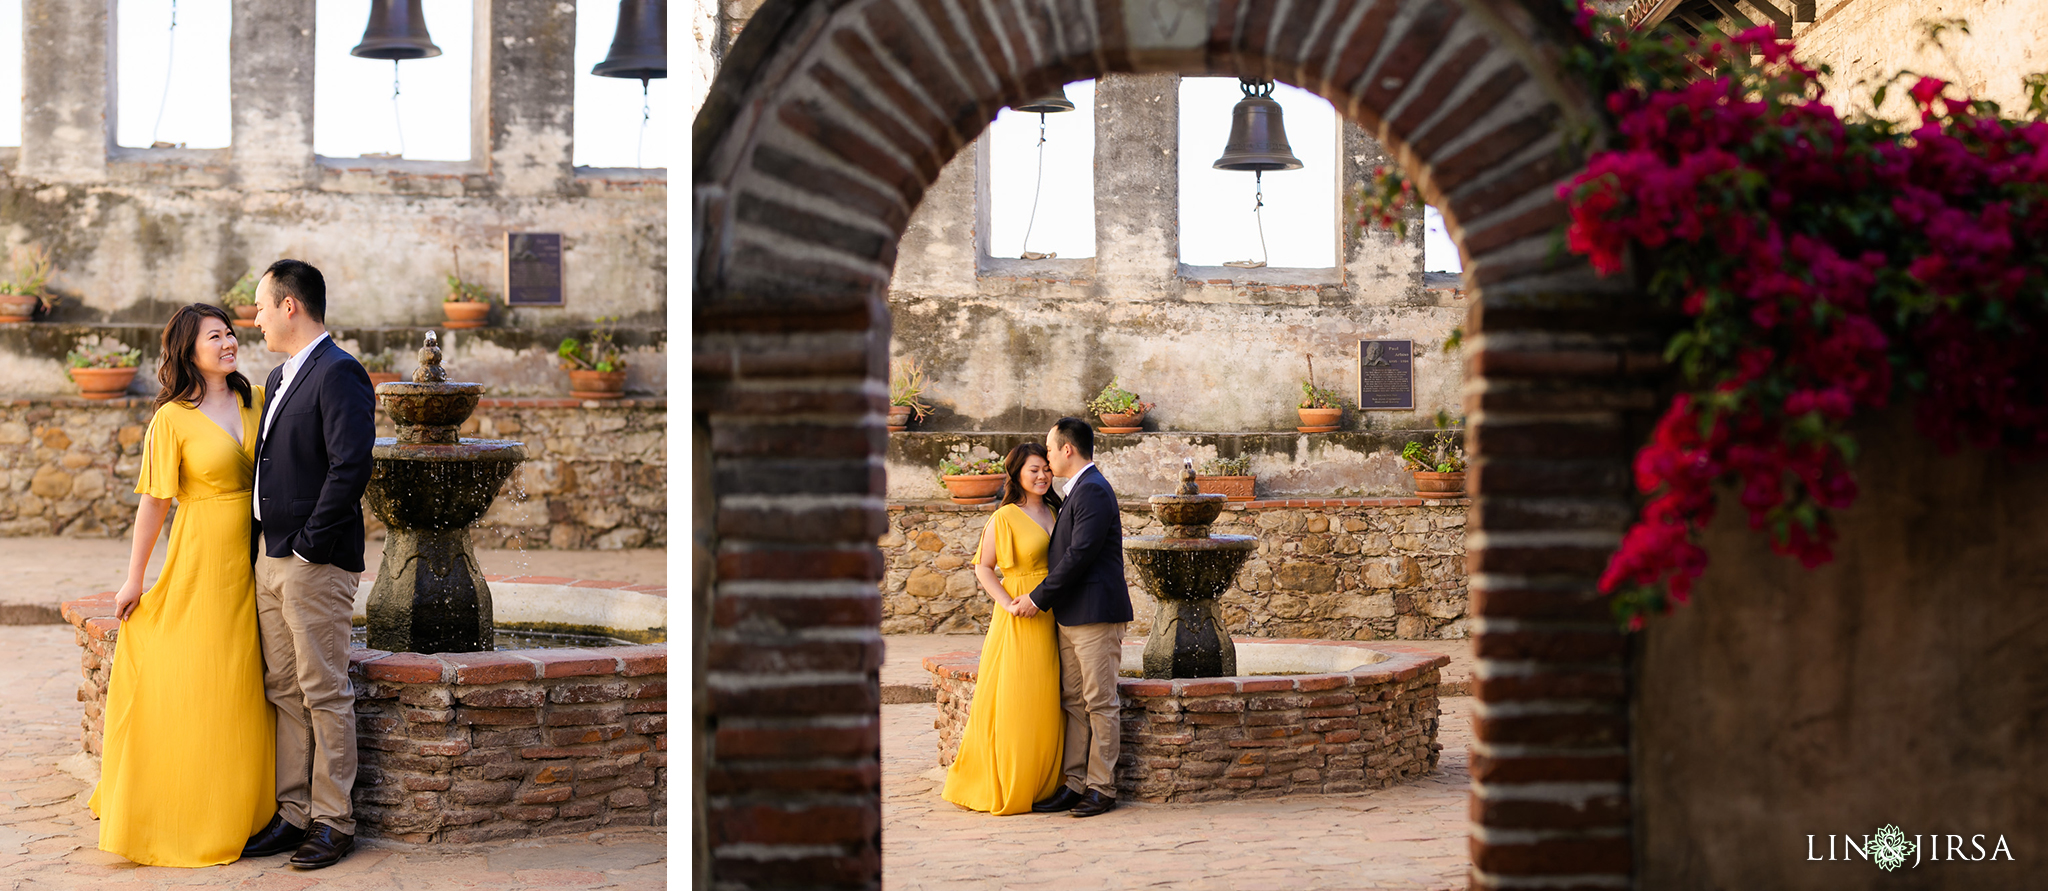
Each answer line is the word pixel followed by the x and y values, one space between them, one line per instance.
pixel 1258 140
pixel 1050 103
pixel 639 43
pixel 397 32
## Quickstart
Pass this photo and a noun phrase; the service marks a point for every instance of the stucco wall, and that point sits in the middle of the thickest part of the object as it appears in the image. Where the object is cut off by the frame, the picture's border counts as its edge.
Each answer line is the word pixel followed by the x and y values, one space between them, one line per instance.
pixel 138 232
pixel 1901 684
pixel 1009 346
pixel 1872 39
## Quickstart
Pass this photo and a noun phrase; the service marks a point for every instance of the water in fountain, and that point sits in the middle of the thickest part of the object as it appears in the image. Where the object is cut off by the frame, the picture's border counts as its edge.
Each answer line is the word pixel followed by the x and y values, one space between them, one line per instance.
pixel 428 485
pixel 1187 569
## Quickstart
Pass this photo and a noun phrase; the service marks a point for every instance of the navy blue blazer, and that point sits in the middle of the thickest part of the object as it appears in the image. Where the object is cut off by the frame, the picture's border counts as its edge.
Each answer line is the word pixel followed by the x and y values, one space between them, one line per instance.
pixel 313 460
pixel 1086 585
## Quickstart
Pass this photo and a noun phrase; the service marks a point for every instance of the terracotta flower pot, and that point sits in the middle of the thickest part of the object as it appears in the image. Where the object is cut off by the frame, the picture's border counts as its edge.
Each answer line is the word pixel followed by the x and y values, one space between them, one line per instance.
pixel 1439 485
pixel 18 307
pixel 1238 488
pixel 1319 420
pixel 1130 422
pixel 466 313
pixel 584 384
pixel 899 418
pixel 973 488
pixel 385 377
pixel 103 383
pixel 245 316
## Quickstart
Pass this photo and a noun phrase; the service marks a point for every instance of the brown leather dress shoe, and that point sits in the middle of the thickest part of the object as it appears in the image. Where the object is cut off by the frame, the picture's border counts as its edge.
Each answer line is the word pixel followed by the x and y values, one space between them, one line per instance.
pixel 1094 803
pixel 324 846
pixel 276 837
pixel 1065 799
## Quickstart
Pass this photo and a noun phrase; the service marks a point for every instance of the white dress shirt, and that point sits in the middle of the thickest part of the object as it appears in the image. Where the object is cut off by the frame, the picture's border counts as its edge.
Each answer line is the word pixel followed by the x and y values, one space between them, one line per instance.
pixel 284 385
pixel 1068 489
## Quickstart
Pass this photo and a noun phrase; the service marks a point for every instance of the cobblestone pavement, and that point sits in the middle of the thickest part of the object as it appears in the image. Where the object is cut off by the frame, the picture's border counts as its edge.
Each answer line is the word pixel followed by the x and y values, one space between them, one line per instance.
pixel 1411 836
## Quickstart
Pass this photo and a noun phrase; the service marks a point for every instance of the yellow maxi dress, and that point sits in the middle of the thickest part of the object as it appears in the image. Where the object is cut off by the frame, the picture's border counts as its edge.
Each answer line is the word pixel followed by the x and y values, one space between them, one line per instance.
pixel 186 773
pixel 1010 753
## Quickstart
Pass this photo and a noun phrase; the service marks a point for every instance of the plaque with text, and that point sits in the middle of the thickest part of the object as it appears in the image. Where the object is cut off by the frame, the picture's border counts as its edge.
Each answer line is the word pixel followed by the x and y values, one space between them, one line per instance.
pixel 1386 374
pixel 533 268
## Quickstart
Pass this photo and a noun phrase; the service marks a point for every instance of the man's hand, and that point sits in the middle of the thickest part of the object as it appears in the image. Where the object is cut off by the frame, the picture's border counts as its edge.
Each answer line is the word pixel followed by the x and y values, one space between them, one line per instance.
pixel 1023 608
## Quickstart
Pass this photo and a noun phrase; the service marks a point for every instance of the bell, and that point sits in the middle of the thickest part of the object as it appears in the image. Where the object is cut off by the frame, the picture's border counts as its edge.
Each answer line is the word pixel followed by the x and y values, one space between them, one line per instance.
pixel 640 43
pixel 1258 140
pixel 1050 103
pixel 397 32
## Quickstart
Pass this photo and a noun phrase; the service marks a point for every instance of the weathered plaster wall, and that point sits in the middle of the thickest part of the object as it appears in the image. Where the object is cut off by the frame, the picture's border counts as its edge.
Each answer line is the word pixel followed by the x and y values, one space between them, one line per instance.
pixel 1901 683
pixel 138 232
pixel 1872 39
pixel 1008 347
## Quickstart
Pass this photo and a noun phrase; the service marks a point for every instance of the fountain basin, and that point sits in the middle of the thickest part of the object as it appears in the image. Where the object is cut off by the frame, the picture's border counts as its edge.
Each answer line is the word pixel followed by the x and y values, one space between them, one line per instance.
pixel 1359 716
pixel 460 748
pixel 428 412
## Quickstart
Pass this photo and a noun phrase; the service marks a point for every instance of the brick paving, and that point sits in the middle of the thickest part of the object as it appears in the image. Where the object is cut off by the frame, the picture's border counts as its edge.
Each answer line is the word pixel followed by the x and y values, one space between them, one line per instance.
pixel 1411 836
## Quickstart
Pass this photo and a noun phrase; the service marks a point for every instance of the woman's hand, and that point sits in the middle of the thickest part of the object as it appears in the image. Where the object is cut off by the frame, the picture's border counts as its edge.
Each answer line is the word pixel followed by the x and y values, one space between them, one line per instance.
pixel 127 599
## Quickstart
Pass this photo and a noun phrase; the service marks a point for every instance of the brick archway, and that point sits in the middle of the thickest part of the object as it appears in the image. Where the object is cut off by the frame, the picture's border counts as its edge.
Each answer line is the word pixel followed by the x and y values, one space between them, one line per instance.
pixel 821 134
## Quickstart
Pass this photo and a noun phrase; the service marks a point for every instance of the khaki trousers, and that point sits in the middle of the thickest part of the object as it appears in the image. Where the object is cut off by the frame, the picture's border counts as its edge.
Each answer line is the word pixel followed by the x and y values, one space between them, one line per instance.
pixel 302 613
pixel 1089 656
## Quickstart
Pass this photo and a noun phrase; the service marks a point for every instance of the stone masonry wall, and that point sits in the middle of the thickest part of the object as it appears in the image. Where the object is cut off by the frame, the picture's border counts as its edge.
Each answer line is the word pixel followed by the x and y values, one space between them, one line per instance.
pixel 595 476
pixel 1330 569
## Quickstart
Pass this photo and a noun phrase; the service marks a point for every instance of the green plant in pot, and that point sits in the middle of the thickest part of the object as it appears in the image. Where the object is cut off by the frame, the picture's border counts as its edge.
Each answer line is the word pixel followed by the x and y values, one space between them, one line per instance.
pixel 1439 466
pixel 1231 477
pixel 102 366
pixel 1321 410
pixel 597 367
pixel 906 396
pixel 23 293
pixel 1119 409
pixel 382 367
pixel 971 480
pixel 467 304
pixel 240 299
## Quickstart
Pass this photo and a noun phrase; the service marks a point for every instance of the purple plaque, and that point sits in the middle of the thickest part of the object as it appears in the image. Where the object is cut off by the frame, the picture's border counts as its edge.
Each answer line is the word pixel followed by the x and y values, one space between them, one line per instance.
pixel 1386 374
pixel 533 268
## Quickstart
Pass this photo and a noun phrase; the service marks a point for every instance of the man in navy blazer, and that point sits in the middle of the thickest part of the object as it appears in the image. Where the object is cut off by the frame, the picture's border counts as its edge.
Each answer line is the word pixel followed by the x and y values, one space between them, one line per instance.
pixel 1089 600
pixel 312 465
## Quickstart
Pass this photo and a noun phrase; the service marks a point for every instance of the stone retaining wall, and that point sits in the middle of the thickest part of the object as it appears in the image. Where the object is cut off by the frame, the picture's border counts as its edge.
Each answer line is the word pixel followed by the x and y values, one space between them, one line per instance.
pixel 596 476
pixel 1207 739
pixel 1331 569
pixel 459 748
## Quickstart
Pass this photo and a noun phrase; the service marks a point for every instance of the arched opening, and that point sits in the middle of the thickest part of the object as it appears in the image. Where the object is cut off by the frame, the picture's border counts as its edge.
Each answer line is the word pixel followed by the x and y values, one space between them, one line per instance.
pixel 819 137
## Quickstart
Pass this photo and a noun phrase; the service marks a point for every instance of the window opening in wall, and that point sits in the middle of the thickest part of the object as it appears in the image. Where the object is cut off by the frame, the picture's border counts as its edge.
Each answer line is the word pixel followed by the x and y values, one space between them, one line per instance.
pixel 10 72
pixel 1438 253
pixel 1041 186
pixel 170 74
pixel 618 120
pixel 1221 211
pixel 360 110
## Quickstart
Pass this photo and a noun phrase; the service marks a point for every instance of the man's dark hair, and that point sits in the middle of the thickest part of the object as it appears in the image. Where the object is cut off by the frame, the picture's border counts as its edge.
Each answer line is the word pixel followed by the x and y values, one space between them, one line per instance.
pixel 1076 432
pixel 298 280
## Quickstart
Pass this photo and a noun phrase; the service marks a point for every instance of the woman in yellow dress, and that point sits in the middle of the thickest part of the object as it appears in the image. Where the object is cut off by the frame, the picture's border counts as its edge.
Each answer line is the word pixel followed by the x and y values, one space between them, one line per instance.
pixel 1010 753
pixel 186 770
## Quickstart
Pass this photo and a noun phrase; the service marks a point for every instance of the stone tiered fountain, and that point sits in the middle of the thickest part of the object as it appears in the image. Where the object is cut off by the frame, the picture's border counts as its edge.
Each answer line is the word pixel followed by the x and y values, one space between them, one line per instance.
pixel 428 485
pixel 1186 570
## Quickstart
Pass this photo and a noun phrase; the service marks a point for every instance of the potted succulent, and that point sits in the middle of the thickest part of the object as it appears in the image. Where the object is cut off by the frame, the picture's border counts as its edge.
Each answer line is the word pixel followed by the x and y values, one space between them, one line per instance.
pixel 597 367
pixel 906 392
pixel 21 293
pixel 241 299
pixel 1320 410
pixel 379 364
pixel 1119 409
pixel 1227 476
pixel 467 305
pixel 1439 467
pixel 102 367
pixel 972 481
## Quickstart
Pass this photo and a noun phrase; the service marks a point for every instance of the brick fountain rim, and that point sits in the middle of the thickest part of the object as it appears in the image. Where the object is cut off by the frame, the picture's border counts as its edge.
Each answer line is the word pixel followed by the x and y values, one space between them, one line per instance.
pixel 1393 662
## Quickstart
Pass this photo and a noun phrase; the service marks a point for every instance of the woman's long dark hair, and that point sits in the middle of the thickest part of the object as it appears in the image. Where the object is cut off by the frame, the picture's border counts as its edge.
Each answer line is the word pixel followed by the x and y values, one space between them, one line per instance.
pixel 177 375
pixel 1013 467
